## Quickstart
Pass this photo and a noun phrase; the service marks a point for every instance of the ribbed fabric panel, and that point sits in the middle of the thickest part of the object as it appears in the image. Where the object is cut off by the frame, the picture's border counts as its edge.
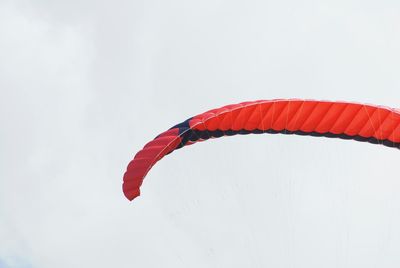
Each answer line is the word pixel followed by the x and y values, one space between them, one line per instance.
pixel 146 158
pixel 361 122
pixel 323 117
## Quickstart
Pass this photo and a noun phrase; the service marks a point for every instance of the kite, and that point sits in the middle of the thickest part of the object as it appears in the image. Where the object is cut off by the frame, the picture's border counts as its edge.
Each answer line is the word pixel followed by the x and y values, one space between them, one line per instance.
pixel 334 119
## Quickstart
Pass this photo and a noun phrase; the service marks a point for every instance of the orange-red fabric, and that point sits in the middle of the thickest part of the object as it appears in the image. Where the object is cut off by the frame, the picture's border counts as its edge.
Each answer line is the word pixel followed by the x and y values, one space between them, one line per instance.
pixel 356 121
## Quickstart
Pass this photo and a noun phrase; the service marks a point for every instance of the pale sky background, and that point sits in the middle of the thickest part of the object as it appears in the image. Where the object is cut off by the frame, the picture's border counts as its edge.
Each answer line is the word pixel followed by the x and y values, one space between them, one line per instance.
pixel 85 84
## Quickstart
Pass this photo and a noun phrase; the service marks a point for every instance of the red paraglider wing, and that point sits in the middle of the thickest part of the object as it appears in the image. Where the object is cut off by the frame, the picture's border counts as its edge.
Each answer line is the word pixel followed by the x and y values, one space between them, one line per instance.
pixel 360 122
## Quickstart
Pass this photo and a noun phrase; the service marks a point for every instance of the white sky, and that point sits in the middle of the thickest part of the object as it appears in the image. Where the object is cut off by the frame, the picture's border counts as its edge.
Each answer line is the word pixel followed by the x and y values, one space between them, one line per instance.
pixel 85 84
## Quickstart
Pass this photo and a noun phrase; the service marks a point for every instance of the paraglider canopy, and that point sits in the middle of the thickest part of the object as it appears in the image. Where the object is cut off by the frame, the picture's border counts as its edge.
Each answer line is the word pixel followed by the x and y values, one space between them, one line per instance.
pixel 354 121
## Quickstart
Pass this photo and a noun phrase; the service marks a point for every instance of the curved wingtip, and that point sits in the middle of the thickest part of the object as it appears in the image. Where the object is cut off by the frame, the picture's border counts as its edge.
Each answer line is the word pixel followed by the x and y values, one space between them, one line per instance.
pixel 131 194
pixel 152 152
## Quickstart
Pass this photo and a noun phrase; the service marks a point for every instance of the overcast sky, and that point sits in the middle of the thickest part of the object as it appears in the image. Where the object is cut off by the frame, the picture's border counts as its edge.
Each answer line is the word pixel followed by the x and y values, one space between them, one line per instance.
pixel 85 84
